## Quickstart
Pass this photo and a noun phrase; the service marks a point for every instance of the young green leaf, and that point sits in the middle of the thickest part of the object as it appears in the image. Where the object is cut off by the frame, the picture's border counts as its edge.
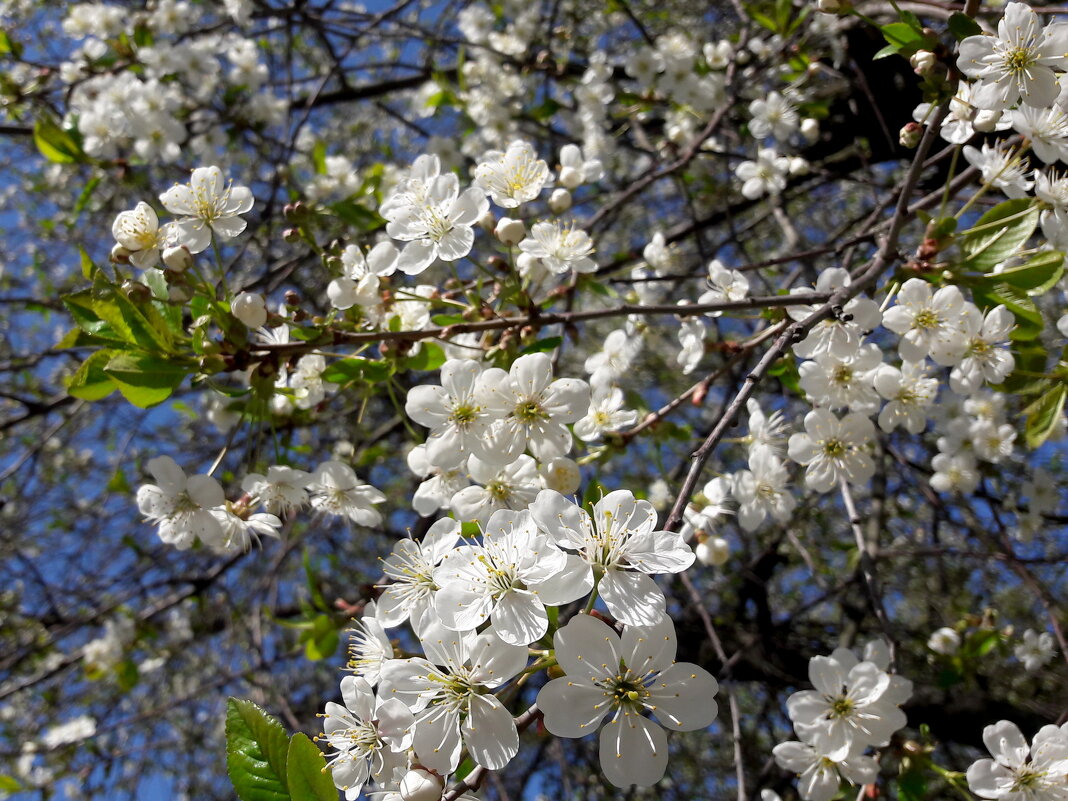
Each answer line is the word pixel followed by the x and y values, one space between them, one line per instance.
pixel 256 748
pixel 307 774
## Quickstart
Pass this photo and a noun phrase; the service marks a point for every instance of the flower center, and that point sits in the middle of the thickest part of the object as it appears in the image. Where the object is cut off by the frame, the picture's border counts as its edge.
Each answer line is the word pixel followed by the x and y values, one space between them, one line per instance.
pixel 841 707
pixel 530 411
pixel 834 448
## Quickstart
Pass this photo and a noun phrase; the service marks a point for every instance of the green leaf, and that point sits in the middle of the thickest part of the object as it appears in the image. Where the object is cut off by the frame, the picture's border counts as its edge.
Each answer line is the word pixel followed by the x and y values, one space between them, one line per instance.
pixel 543 345
pixel 319 157
pixel 911 785
pixel 1029 374
pixel 9 784
pixel 86 195
pixel 889 50
pixel 360 217
pixel 256 748
pixel 962 26
pixel 345 371
pixel 999 234
pixel 1028 318
pixel 429 357
pixel 1043 415
pixel 56 144
pixel 144 379
pixel 9 46
pixel 90 382
pixel 900 35
pixel 1037 275
pixel 306 772
pixel 321 639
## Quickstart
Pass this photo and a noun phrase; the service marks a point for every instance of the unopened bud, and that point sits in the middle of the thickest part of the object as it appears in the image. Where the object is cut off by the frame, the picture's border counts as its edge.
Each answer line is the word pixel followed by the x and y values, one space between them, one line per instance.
pixel 986 121
pixel 810 129
pixel 420 784
pixel 510 231
pixel 559 201
pixel 136 291
pixel 487 222
pixel 562 475
pixel 178 259
pixel 292 298
pixel 291 235
pixel 570 177
pixel 923 61
pixel 120 255
pixel 527 264
pixel 178 293
pixel 910 134
pixel 798 166
pixel 250 309
pixel 834 6
pixel 713 551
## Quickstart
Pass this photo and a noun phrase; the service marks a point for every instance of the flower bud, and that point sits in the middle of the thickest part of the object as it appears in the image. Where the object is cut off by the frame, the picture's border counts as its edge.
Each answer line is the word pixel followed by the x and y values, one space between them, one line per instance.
pixel 136 291
pixel 487 222
pixel 986 121
pixel 178 259
pixel 910 134
pixel 945 641
pixel 562 475
pixel 120 255
pixel 291 235
pixel 179 294
pixel 559 201
pixel 798 166
pixel 713 551
pixel 923 61
pixel 250 309
pixel 810 129
pixel 570 177
pixel 420 784
pixel 834 6
pixel 510 231
pixel 527 264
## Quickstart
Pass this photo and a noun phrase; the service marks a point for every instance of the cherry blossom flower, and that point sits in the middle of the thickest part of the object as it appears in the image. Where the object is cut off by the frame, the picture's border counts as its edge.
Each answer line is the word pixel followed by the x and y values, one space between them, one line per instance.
pixel 358 284
pixel 819 774
pixel 761 490
pixel 576 170
pixel 839 335
pixel 926 319
pixel 410 569
pixel 533 409
pixel 1035 650
pixel 833 449
pixel 336 490
pixel 606 414
pixel 1018 63
pixel 623 677
pixel 181 505
pixel 910 392
pixel 509 579
pixel 282 491
pixel 439 484
pixel 369 646
pixel 447 692
pixel 512 177
pixel 458 413
pixel 560 248
pixel 139 232
pixel 620 547
pixel 206 205
pixel 367 738
pixel 853 703
pixel 437 222
pixel 765 176
pixel 723 285
pixel 840 382
pixel 982 359
pixel 512 486
pixel 773 115
pixel 1002 167
pixel 1019 772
